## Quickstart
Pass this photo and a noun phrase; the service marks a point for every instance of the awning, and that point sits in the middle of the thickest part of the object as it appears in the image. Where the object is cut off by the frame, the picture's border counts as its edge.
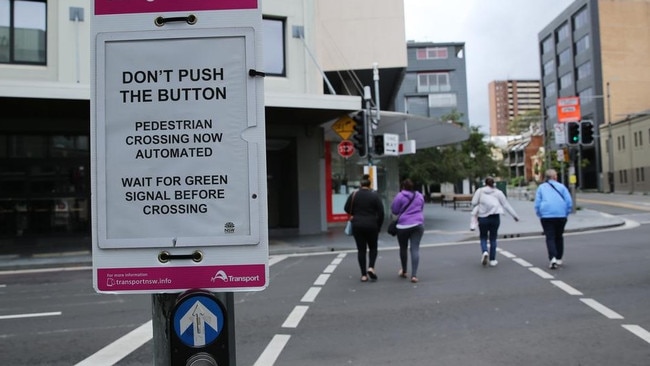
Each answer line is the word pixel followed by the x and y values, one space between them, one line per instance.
pixel 427 132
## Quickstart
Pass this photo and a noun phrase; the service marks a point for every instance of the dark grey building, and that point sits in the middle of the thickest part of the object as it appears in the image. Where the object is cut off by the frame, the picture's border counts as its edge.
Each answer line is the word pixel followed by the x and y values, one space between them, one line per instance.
pixel 435 81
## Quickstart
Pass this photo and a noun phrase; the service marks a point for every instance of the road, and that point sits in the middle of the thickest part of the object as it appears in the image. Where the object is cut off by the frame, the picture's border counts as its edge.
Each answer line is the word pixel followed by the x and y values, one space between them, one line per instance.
pixel 592 311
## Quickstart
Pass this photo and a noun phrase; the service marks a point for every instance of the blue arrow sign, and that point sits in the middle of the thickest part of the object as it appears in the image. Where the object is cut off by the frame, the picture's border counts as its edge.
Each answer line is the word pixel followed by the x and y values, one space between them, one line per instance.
pixel 198 320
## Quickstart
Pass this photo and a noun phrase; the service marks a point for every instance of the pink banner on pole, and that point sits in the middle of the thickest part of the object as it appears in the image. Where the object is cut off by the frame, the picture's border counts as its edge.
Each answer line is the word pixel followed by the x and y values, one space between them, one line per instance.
pixel 107 7
pixel 181 278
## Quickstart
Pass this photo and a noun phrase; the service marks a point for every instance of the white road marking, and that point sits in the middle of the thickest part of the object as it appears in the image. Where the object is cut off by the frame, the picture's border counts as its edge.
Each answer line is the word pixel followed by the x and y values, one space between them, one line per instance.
pixel 3 286
pixel 272 350
pixel 33 315
pixel 568 289
pixel 321 280
pixel 330 268
pixel 295 317
pixel 119 349
pixel 276 258
pixel 638 331
pixel 45 270
pixel 522 262
pixel 506 253
pixel 311 294
pixel 542 273
pixel 610 314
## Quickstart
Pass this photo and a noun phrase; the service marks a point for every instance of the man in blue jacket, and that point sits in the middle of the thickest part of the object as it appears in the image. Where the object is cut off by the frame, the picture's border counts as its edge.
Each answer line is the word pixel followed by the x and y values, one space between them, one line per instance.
pixel 552 205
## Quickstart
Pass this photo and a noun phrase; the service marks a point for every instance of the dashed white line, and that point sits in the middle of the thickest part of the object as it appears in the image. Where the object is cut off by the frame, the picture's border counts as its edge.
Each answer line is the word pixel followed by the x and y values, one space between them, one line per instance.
pixel 507 254
pixel 610 314
pixel 321 280
pixel 540 272
pixel 330 268
pixel 33 315
pixel 295 317
pixel 638 331
pixel 568 289
pixel 272 350
pixel 311 294
pixel 522 262
pixel 119 349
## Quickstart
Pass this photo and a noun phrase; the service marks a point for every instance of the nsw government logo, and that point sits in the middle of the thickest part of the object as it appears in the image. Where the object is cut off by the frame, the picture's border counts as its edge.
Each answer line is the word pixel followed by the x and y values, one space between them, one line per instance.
pixel 220 275
pixel 229 228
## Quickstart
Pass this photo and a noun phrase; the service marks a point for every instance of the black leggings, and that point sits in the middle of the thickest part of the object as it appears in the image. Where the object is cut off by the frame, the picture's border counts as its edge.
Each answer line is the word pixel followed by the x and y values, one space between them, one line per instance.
pixel 366 240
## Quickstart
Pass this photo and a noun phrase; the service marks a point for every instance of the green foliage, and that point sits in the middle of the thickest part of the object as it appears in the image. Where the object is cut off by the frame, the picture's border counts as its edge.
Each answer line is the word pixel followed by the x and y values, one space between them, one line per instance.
pixel 522 122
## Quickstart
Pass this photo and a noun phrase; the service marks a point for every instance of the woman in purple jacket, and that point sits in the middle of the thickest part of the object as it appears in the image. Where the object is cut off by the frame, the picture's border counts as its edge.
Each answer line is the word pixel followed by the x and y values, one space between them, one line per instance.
pixel 408 204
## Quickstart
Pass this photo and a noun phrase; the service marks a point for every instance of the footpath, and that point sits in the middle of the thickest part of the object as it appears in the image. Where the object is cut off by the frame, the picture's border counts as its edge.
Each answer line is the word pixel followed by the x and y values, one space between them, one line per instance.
pixel 443 224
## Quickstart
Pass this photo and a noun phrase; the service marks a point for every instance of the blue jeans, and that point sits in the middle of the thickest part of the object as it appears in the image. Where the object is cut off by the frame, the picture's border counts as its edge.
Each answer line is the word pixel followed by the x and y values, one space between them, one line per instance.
pixel 488 227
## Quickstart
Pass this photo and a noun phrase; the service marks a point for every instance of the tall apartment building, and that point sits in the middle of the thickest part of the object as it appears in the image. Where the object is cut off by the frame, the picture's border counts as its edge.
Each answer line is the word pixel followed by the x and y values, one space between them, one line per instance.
pixel 509 99
pixel 435 82
pixel 597 50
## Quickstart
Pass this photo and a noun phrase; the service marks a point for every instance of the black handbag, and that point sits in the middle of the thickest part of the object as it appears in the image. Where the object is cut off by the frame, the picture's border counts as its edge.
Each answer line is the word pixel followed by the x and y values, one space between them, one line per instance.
pixel 392 227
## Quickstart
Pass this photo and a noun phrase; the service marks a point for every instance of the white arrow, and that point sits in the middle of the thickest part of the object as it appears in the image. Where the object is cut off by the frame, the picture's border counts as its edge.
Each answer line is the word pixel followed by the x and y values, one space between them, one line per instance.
pixel 197 317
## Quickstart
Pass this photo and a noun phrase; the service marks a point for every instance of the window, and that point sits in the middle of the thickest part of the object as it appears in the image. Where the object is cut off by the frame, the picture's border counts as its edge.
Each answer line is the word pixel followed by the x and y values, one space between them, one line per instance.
pixel 547 45
pixel 564 57
pixel 586 96
pixel 23 31
pixel 581 18
pixel 444 100
pixel 548 67
pixel 566 80
pixel 562 33
pixel 582 44
pixel 274 62
pixel 431 53
pixel 584 70
pixel 551 111
pixel 549 89
pixel 433 82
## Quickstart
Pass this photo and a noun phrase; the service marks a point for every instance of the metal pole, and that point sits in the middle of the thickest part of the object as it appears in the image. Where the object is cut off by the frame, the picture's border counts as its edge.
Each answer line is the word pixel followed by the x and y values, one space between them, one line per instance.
pixel 610 150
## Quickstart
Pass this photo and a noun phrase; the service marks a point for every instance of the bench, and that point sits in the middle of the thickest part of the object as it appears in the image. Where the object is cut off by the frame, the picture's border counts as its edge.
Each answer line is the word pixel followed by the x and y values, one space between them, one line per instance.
pixel 462 200
pixel 446 199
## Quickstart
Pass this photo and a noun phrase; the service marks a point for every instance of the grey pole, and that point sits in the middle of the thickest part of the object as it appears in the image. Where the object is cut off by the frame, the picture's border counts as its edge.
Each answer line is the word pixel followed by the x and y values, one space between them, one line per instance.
pixel 610 146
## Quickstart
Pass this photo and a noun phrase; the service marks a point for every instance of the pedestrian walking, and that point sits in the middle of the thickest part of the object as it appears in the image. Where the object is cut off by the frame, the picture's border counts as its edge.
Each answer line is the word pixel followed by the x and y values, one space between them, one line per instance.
pixel 408 205
pixel 553 204
pixel 367 211
pixel 489 203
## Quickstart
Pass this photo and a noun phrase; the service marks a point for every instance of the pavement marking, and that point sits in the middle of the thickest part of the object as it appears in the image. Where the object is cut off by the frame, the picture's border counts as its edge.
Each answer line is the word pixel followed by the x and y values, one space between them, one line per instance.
pixel 568 289
pixel 32 315
pixel 607 312
pixel 616 204
pixel 272 350
pixel 311 294
pixel 507 253
pixel 295 317
pixel 542 273
pixel 522 262
pixel 330 268
pixel 638 331
pixel 122 347
pixel 276 259
pixel 2 286
pixel 322 280
pixel 45 270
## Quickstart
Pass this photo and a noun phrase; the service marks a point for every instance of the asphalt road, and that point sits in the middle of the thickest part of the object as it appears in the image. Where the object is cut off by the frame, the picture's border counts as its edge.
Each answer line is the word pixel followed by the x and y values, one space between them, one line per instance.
pixel 592 311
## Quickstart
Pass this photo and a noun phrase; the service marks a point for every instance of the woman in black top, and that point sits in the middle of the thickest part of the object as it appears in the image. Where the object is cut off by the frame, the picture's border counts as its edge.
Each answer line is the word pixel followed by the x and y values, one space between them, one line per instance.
pixel 367 211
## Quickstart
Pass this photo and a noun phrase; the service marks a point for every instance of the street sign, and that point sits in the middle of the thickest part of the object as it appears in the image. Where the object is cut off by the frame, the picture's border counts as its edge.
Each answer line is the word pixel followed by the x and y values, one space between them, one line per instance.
pixel 406 147
pixel 198 320
pixel 179 156
pixel 568 109
pixel 391 144
pixel 346 148
pixel 344 127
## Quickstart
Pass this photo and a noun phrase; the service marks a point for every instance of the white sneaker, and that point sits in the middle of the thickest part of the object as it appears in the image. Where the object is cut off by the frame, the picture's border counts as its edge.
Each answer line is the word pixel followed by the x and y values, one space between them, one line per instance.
pixel 553 264
pixel 494 263
pixel 484 258
pixel 559 262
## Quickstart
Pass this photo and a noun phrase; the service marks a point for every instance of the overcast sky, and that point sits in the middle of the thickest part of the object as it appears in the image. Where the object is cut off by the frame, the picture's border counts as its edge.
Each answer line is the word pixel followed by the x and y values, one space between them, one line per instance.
pixel 500 39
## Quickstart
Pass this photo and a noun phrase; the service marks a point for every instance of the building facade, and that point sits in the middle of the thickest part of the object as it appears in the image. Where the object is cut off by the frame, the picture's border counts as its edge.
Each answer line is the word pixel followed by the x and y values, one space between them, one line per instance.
pixel 435 82
pixel 510 99
pixel 598 51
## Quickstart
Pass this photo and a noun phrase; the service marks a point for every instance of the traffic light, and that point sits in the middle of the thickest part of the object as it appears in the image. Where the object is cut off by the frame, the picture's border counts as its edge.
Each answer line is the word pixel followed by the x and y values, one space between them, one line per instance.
pixel 586 133
pixel 360 138
pixel 379 145
pixel 573 133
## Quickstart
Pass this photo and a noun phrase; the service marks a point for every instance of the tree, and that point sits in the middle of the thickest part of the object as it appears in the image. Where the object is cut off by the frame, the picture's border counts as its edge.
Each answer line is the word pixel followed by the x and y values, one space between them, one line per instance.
pixel 522 122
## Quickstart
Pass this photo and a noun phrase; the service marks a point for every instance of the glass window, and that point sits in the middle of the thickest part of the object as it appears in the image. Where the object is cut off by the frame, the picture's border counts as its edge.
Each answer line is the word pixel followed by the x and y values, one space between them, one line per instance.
pixel 23 31
pixel 547 44
pixel 550 89
pixel 564 57
pixel 433 82
pixel 548 67
pixel 445 100
pixel 582 44
pixel 581 18
pixel 551 111
pixel 566 80
pixel 273 45
pixel 432 53
pixel 586 96
pixel 562 33
pixel 584 70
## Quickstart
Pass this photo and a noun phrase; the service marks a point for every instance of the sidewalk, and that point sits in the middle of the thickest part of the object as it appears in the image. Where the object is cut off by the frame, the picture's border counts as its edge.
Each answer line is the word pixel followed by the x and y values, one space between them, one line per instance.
pixel 442 225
